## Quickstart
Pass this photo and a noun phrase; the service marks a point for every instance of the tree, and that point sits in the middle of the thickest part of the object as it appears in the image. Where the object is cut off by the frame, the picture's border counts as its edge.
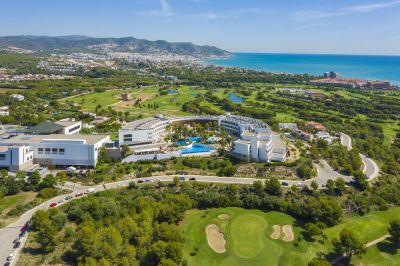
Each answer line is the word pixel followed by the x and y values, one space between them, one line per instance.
pixel 360 179
pixel 125 151
pixel 313 231
pixel 340 185
pixel 394 231
pixel 46 236
pixel 49 181
pixel 314 185
pixel 34 179
pixel 330 186
pixel 348 244
pixel 61 177
pixel 273 186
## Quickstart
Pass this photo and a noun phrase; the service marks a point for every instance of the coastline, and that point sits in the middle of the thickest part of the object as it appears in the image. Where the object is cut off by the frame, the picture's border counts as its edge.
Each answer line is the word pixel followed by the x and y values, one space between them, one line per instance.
pixel 369 67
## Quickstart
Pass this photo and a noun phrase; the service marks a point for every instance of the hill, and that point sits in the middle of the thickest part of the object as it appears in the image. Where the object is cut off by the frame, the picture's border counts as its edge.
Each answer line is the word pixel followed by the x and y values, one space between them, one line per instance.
pixel 77 43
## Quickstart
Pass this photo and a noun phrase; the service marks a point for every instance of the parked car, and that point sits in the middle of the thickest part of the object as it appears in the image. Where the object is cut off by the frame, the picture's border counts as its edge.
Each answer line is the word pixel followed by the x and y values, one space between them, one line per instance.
pixel 148 181
pixel 24 228
pixel 53 204
pixel 182 178
pixel 17 244
pixel 17 239
pixel 192 179
pixel 60 201
pixel 140 181
pixel 68 197
pixel 79 194
pixel 10 257
pixel 90 190
pixel 285 184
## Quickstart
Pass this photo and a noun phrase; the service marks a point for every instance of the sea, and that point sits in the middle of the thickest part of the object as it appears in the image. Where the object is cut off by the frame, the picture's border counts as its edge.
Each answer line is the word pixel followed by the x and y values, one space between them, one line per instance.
pixel 349 66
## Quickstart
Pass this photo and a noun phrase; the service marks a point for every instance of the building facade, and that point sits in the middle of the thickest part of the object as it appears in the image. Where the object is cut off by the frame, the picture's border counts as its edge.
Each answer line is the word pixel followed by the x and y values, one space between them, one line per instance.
pixel 60 151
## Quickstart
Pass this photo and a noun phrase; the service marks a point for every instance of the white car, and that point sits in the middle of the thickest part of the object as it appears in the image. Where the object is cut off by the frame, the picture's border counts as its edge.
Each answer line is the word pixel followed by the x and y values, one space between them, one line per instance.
pixel 10 257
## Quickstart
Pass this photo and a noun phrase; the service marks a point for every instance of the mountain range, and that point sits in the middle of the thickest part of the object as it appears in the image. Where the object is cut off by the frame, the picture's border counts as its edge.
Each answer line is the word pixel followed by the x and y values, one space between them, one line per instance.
pixel 78 43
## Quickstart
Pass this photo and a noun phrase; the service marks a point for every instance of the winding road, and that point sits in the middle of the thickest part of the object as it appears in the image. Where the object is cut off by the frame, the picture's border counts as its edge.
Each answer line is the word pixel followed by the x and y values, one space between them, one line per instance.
pixel 325 172
pixel 370 168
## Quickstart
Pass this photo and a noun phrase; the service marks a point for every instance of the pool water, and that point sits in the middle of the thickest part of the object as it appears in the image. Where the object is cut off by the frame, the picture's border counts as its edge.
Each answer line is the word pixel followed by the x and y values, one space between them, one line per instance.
pixel 181 143
pixel 197 148
pixel 234 98
pixel 194 139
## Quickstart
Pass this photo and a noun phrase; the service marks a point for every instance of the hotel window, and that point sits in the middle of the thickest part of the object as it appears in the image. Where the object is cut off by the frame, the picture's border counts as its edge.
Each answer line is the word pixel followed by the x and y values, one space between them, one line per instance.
pixel 2 157
pixel 54 150
pixel 40 150
pixel 128 137
pixel 61 151
pixel 47 151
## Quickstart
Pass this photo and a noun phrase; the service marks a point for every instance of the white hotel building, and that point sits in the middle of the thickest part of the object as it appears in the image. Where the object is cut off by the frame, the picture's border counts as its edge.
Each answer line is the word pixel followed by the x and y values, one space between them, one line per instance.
pixel 144 131
pixel 58 151
pixel 255 140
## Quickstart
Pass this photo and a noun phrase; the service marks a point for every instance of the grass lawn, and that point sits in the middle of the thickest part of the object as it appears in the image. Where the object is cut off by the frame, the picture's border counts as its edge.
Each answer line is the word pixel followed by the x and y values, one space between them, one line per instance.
pixel 249 242
pixel 9 202
pixel 168 104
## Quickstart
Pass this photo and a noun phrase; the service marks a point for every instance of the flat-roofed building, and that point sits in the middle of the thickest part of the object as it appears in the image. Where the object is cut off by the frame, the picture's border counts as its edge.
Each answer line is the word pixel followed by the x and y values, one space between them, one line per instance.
pixel 4 111
pixel 61 151
pixel 16 158
pixel 65 126
pixel 144 131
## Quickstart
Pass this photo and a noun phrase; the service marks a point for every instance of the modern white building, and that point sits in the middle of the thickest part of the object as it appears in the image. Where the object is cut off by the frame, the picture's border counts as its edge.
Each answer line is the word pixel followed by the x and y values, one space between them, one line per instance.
pixel 70 126
pixel 60 151
pixel 65 126
pixel 16 158
pixel 255 140
pixel 4 111
pixel 144 131
pixel 18 97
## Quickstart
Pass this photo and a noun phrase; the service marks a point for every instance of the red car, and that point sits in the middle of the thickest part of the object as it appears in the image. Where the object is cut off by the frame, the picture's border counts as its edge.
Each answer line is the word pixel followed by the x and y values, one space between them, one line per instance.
pixel 53 204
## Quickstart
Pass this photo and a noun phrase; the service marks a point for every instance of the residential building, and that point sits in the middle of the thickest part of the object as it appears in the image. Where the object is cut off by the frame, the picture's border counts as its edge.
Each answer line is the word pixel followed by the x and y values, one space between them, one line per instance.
pixel 18 97
pixel 4 111
pixel 61 151
pixel 315 125
pixel 290 126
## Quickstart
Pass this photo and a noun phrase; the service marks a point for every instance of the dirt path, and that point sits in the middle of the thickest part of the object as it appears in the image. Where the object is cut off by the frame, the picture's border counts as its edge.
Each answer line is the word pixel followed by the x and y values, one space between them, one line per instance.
pixel 376 241
pixel 277 232
pixel 369 244
pixel 288 232
pixel 215 238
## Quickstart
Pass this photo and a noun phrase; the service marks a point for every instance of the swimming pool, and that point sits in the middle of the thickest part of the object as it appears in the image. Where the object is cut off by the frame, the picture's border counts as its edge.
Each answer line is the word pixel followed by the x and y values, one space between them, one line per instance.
pixel 181 143
pixel 197 148
pixel 194 139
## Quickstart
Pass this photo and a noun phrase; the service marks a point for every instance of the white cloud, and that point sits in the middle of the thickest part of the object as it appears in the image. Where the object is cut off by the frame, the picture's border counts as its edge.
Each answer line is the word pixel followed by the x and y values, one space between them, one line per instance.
pixel 164 11
pixel 211 15
pixel 319 14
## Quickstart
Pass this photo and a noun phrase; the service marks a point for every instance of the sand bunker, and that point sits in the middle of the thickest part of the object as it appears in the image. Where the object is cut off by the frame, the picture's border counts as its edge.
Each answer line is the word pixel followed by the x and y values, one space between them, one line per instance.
pixel 215 239
pixel 277 232
pixel 288 232
pixel 223 216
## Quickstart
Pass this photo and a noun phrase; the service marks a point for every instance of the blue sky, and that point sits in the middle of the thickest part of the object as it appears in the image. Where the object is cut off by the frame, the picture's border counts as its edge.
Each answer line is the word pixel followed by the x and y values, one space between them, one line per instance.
pixel 295 26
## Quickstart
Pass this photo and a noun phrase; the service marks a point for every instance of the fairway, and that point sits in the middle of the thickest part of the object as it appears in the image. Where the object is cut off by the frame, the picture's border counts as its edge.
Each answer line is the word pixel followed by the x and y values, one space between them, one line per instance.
pixel 249 238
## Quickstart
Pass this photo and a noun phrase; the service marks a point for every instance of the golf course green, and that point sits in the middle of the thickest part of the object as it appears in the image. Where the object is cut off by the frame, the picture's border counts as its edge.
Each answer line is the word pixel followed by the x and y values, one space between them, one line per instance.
pixel 249 242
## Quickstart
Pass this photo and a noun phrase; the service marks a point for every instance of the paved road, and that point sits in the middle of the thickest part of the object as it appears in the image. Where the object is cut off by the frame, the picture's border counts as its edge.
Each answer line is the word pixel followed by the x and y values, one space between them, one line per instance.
pixel 370 168
pixel 325 172
pixel 346 141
